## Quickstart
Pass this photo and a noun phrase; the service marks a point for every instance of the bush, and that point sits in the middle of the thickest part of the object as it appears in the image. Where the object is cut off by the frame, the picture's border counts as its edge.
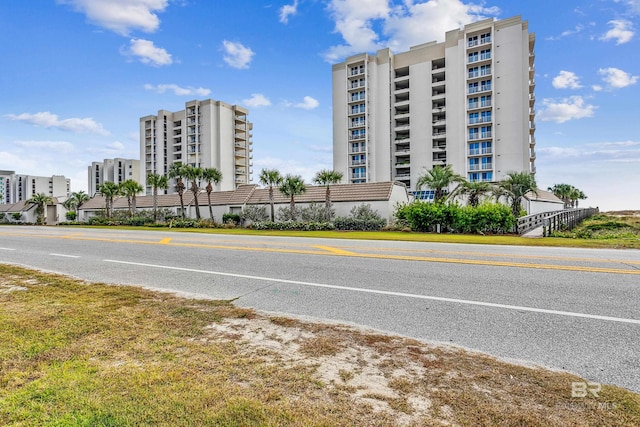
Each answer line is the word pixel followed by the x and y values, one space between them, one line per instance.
pixel 71 216
pixel 285 214
pixel 231 218
pixel 17 216
pixel 254 213
pixel 316 212
pixel 293 226
pixel 355 224
pixel 486 218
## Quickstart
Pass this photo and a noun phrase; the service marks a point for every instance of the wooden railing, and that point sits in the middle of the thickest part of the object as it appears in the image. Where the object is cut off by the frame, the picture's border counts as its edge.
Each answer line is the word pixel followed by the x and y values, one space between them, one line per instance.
pixel 554 220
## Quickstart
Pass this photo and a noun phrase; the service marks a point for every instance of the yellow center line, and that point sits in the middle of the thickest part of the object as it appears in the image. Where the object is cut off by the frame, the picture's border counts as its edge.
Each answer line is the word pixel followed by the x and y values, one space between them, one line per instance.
pixel 332 251
pixel 335 251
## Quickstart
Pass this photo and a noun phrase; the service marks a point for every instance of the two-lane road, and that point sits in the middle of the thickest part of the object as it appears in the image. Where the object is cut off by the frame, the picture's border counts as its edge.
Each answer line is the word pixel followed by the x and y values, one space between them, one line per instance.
pixel 573 309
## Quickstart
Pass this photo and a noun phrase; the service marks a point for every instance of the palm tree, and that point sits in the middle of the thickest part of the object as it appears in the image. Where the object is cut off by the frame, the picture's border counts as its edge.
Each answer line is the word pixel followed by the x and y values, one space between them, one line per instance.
pixel 270 177
pixel 562 191
pixel 514 187
pixel 327 177
pixel 157 181
pixel 109 190
pixel 176 170
pixel 130 189
pixel 212 176
pixel 438 179
pixel 474 190
pixel 574 195
pixel 80 198
pixel 291 186
pixel 194 174
pixel 75 201
pixel 41 200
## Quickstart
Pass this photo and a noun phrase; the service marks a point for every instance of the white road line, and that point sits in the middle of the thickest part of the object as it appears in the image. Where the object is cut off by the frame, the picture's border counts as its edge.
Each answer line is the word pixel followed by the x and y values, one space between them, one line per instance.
pixel 7 249
pixel 66 256
pixel 396 294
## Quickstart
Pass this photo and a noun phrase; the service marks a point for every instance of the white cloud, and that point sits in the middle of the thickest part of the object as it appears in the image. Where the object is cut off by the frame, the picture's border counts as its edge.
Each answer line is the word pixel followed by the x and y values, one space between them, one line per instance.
pixel 121 16
pixel 237 55
pixel 257 100
pixel 621 31
pixel 288 10
pixel 596 88
pixel 616 78
pixel 148 53
pixel 566 109
pixel 57 146
pixel 48 120
pixel 308 103
pixel 566 80
pixel 178 90
pixel 405 25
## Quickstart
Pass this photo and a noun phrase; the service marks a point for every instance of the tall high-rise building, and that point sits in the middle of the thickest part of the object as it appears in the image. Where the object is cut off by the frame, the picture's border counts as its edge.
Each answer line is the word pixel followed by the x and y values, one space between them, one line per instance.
pixel 205 134
pixel 467 102
pixel 113 170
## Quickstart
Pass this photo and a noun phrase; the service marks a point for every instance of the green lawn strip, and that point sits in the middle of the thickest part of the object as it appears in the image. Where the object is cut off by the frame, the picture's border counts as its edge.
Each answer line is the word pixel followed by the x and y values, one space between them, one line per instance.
pixel 79 354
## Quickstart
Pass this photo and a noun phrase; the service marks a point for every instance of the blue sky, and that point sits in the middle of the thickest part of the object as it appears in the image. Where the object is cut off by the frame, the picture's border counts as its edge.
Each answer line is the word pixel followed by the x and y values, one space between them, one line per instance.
pixel 76 75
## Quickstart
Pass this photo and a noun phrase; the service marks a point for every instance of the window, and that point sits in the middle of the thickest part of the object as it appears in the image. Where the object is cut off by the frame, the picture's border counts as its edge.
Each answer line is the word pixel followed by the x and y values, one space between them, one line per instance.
pixel 473 87
pixel 485 38
pixel 358 159
pixel 472 41
pixel 485 101
pixel 485 85
pixel 473 177
pixel 474 164
pixel 474 148
pixel 487 163
pixel 486 147
pixel 485 70
pixel 485 54
pixel 356 109
pixel 473 118
pixel 359 172
pixel 485 131
pixel 473 72
pixel 485 116
pixel 473 103
pixel 473 133
pixel 487 176
pixel 472 57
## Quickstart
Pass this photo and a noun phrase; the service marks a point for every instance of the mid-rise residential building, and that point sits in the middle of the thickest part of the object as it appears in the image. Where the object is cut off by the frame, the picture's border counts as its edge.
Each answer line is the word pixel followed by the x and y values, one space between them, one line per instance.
pixel 467 102
pixel 16 188
pixel 5 187
pixel 113 170
pixel 207 134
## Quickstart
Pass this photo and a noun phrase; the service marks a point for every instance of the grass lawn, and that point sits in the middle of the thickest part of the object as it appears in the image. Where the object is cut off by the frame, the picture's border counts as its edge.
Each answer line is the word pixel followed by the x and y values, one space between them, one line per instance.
pixel 81 354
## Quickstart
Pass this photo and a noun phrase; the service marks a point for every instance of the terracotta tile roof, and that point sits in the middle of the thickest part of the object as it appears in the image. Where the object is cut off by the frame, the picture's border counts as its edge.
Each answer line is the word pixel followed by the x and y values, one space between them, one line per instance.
pixel 368 192
pixel 251 194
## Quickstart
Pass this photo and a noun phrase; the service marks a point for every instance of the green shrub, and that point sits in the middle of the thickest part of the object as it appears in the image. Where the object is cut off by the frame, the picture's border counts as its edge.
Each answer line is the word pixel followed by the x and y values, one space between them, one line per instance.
pixel 254 213
pixel 231 217
pixel 71 216
pixel 17 216
pixel 292 226
pixel 355 224
pixel 315 212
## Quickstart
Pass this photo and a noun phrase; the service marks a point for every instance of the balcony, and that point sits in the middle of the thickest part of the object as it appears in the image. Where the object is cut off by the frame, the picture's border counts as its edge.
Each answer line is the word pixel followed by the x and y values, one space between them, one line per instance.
pixel 355 137
pixel 354 150
pixel 358 162
pixel 439 135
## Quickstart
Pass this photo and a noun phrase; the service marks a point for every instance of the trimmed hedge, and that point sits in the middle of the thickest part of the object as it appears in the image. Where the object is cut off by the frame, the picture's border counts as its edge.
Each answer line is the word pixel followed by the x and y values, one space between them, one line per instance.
pixel 292 225
pixel 357 224
pixel 486 218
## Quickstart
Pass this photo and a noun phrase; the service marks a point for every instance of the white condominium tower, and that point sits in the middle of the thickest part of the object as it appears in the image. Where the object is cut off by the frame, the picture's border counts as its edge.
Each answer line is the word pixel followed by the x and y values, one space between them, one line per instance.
pixel 207 134
pixel 113 170
pixel 467 102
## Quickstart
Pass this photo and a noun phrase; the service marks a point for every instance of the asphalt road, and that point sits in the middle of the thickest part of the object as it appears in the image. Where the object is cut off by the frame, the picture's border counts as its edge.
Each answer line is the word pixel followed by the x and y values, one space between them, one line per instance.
pixel 571 309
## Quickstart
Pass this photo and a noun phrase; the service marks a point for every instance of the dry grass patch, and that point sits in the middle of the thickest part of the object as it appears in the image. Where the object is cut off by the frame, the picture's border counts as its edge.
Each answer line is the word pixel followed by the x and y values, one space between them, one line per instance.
pixel 73 353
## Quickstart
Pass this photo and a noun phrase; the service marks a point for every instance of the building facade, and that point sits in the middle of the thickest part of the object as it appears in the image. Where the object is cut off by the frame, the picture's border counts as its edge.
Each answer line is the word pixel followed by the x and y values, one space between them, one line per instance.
pixel 16 188
pixel 207 134
pixel 467 102
pixel 113 170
